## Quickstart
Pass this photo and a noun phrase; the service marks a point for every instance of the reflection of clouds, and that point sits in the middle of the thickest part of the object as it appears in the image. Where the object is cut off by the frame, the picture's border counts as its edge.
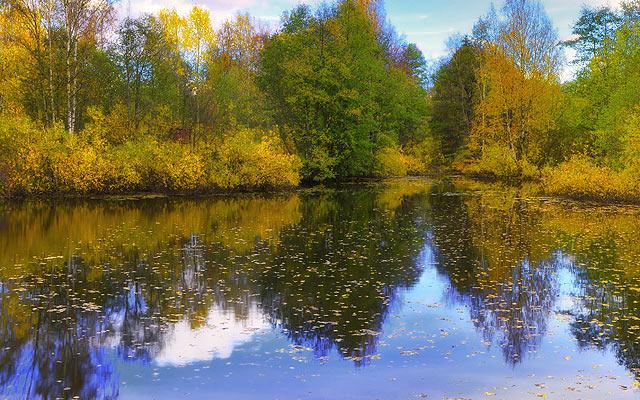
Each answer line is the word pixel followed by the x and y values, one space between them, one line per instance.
pixel 217 338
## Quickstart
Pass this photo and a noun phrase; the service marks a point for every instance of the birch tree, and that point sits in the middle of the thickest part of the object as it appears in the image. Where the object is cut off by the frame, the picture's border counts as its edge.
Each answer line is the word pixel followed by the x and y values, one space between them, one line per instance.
pixel 82 20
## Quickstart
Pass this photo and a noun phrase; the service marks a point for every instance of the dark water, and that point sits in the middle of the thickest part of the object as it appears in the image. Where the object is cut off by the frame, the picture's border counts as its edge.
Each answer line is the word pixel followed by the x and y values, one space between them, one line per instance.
pixel 400 290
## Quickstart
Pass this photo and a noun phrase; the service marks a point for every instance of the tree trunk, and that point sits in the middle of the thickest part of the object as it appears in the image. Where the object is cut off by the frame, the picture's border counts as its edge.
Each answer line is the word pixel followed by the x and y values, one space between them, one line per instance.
pixel 51 85
pixel 70 117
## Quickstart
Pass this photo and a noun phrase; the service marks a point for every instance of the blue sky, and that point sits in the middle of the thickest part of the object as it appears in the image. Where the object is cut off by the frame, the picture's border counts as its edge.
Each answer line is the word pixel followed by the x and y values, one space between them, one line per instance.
pixel 428 23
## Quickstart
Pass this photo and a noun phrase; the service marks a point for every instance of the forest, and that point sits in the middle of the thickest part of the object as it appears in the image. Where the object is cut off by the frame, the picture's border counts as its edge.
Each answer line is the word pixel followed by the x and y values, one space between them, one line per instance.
pixel 92 102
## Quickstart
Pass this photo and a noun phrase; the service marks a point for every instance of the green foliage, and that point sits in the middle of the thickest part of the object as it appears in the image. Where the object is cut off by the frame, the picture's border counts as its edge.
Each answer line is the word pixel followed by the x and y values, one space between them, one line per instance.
pixel 593 32
pixel 339 97
pixel 600 101
pixel 454 97
pixel 600 117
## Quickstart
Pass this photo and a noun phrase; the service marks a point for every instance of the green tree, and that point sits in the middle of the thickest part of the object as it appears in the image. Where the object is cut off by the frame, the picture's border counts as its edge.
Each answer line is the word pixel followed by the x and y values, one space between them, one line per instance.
pixel 593 32
pixel 338 96
pixel 454 96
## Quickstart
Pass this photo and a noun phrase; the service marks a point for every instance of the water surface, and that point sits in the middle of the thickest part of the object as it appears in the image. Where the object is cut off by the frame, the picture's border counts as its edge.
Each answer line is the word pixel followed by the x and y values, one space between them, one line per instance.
pixel 398 290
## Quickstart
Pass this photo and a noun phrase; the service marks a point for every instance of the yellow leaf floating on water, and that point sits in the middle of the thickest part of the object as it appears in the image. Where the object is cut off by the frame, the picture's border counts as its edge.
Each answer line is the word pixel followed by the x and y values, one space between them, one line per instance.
pixel 489 394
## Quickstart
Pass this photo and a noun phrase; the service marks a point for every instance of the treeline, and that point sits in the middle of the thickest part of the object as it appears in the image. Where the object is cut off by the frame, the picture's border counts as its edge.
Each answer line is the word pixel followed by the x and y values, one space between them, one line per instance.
pixel 500 110
pixel 90 103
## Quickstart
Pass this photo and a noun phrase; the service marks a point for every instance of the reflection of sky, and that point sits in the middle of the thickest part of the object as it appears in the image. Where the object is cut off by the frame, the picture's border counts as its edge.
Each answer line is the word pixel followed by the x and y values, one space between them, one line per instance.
pixel 428 346
pixel 216 339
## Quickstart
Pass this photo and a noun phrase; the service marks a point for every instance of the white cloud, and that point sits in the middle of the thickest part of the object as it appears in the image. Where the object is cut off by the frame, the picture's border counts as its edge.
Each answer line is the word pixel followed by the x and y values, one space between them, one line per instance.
pixel 220 10
pixel 216 339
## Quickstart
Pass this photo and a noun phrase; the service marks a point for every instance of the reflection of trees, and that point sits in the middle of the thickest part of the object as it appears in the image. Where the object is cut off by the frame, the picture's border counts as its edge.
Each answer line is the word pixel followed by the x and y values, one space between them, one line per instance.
pixel 501 255
pixel 334 276
pixel 49 339
pixel 497 260
pixel 604 248
pixel 325 268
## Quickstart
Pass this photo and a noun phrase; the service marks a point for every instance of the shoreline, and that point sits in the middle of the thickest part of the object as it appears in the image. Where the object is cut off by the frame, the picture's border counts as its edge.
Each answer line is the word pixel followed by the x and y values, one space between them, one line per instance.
pixel 309 186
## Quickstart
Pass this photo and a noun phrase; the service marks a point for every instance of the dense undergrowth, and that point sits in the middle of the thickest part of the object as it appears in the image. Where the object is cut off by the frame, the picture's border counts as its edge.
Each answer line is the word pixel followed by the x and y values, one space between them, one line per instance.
pixel 39 161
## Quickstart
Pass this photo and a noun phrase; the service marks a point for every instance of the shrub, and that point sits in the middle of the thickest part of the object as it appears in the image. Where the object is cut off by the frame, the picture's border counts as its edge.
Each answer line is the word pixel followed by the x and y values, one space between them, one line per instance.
pixel 246 160
pixel 414 159
pixel 420 156
pixel 79 167
pixel 580 178
pixel 390 162
pixel 498 161
pixel 47 161
pixel 179 168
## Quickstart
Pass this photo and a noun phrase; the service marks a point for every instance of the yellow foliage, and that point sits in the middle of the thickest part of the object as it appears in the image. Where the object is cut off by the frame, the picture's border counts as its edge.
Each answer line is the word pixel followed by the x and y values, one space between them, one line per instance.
pixel 180 169
pixel 516 107
pixel 113 127
pixel 498 161
pixel 390 162
pixel 246 162
pixel 580 178
pixel 632 140
pixel 45 161
pixel 415 159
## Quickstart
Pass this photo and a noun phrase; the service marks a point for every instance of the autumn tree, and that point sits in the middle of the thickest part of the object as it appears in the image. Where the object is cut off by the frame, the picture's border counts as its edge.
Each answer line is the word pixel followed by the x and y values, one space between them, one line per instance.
pixel 33 29
pixel 83 23
pixel 15 60
pixel 231 90
pixel 518 80
pixel 339 96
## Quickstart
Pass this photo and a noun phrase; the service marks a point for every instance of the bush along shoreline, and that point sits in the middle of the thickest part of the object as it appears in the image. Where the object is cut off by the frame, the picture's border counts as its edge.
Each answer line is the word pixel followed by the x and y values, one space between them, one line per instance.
pixel 40 162
pixel 52 162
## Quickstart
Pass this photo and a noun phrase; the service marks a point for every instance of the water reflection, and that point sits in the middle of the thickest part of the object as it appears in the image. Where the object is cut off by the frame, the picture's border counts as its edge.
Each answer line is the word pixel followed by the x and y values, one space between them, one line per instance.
pixel 87 287
pixel 491 252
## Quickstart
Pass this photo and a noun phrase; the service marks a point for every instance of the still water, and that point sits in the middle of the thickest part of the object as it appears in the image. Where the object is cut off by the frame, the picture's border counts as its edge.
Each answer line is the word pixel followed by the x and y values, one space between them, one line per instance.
pixel 405 289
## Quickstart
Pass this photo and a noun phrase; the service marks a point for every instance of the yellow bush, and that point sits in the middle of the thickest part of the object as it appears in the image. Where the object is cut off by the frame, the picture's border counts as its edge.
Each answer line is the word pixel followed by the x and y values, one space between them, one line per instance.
pixel 580 178
pixel 632 140
pixel 46 161
pixel 179 168
pixel 419 157
pixel 498 161
pixel 113 128
pixel 246 161
pixel 390 162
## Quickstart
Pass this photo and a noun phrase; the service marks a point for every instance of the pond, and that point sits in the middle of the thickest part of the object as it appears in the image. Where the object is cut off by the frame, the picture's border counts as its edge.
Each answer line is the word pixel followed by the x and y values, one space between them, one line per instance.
pixel 405 289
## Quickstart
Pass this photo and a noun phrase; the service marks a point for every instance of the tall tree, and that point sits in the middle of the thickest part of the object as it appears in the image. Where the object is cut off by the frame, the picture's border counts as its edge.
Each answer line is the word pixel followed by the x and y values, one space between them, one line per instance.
pixel 454 95
pixel 593 32
pixel 83 21
pixel 519 88
pixel 199 38
pixel 35 17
